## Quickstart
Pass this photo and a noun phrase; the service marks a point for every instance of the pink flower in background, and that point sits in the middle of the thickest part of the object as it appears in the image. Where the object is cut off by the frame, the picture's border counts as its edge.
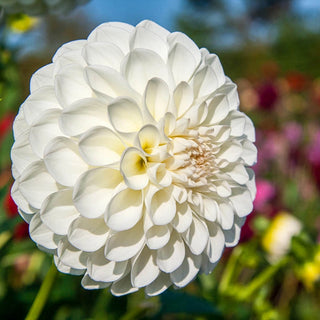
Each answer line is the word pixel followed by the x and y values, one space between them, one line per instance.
pixel 266 191
pixel 313 155
pixel 293 132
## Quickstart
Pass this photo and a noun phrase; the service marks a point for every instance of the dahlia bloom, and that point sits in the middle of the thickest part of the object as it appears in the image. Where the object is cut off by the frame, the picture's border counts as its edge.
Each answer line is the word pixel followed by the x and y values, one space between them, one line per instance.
pixel 131 159
pixel 38 7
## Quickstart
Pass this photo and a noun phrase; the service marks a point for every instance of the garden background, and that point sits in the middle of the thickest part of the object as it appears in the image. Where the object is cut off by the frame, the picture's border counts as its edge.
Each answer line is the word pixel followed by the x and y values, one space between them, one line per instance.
pixel 271 50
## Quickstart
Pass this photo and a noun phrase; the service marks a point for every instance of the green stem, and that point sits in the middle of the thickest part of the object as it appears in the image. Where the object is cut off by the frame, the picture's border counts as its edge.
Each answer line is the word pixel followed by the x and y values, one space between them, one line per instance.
pixel 229 270
pixel 261 279
pixel 42 295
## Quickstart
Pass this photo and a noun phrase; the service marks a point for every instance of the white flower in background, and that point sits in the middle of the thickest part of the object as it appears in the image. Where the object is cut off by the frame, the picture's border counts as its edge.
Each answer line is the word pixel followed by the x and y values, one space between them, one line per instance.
pixel 37 7
pixel 131 159
pixel 277 239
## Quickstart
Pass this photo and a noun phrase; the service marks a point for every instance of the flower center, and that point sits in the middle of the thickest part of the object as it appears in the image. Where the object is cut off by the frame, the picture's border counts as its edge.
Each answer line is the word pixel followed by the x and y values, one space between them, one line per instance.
pixel 199 161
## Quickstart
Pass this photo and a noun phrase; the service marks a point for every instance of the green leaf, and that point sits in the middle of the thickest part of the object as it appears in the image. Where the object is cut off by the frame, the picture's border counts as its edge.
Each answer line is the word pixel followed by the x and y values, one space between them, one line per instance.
pixel 182 302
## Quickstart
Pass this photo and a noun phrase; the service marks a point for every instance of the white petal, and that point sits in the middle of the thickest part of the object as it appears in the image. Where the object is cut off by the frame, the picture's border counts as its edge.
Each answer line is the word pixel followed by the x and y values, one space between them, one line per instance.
pixel 126 244
pixel 226 216
pixel 157 98
pixel 115 32
pixel 72 46
pixel 88 234
pixel 162 207
pixel 147 39
pixel 216 242
pixel 249 129
pixel 249 153
pixel 159 175
pixel 183 97
pixel 230 151
pixel 242 202
pixel 251 184
pixel 237 123
pixel 70 85
pixel 183 218
pixel 170 257
pixel 238 173
pixel 95 186
pixel 204 82
pixel 23 205
pixel 45 129
pixel 124 210
pixel 66 269
pixel 107 82
pixel 154 27
pixel 158 236
pixel 196 237
pixel 187 271
pixel 39 101
pixel 101 269
pixel 41 234
pixel 133 167
pixel 214 62
pixel 22 154
pixel 63 161
pixel 181 38
pixel 83 115
pixel 149 137
pixel 91 284
pixel 218 110
pixel 71 256
pixel 159 285
pixel 101 146
pixel 182 63
pixel 232 236
pixel 36 184
pixel 211 209
pixel 42 77
pixel 123 286
pixel 103 53
pixel 141 65
pixel 20 125
pixel 58 211
pixel 125 115
pixel 144 268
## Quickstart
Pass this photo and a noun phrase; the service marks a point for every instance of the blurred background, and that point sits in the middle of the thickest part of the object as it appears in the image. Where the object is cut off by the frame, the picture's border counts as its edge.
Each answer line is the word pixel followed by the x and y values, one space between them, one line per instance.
pixel 270 48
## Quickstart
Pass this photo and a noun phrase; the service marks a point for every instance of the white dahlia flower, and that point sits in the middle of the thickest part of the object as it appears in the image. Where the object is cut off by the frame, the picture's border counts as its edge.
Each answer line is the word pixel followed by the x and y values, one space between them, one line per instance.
pixel 37 7
pixel 131 159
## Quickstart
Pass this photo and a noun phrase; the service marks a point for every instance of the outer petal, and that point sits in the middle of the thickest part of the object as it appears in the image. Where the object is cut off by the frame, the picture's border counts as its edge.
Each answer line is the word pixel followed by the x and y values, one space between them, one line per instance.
pixel 216 242
pixel 91 284
pixel 58 211
pixel 101 146
pixel 36 184
pixel 158 236
pixel 45 129
pixel 183 218
pixel 71 86
pixel 125 115
pixel 88 234
pixel 124 210
pixel 144 268
pixel 124 245
pixel 95 186
pixel 42 77
pixel 71 256
pixel 159 285
pixel 41 234
pixel 103 53
pixel 141 65
pixel 170 257
pixel 196 237
pixel 63 161
pixel 101 269
pixel 123 286
pixel 84 115
pixel 187 271
pixel 145 38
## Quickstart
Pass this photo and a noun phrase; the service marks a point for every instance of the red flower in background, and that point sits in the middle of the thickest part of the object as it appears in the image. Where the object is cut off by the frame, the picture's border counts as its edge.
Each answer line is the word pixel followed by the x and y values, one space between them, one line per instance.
pixel 297 81
pixel 6 124
pixel 21 230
